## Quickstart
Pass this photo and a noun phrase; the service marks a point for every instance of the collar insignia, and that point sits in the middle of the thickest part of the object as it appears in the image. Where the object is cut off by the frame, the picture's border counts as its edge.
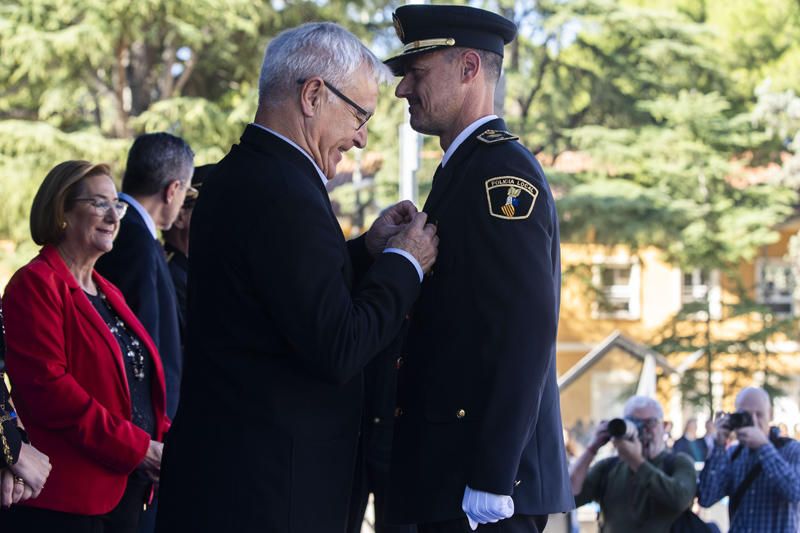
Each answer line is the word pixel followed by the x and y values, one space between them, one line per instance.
pixel 496 136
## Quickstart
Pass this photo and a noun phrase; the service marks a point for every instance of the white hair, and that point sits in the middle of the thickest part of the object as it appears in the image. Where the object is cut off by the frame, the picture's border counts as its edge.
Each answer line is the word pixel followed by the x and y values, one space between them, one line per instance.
pixel 642 402
pixel 321 49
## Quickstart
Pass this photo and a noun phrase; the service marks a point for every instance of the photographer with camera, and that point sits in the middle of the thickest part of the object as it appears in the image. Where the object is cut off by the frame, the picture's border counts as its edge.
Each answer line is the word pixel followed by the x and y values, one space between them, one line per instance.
pixel 761 474
pixel 645 488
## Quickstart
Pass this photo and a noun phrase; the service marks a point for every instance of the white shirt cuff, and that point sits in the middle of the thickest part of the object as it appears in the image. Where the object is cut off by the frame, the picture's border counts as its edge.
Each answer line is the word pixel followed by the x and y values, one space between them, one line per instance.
pixel 409 257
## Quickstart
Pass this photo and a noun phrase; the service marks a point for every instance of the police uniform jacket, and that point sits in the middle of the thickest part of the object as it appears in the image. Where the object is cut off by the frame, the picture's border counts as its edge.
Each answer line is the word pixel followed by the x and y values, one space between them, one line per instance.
pixel 283 316
pixel 478 403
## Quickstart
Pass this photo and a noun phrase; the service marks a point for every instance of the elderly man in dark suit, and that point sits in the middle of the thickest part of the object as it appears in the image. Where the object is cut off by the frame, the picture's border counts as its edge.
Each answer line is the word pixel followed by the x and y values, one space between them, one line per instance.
pixel 478 436
pixel 283 312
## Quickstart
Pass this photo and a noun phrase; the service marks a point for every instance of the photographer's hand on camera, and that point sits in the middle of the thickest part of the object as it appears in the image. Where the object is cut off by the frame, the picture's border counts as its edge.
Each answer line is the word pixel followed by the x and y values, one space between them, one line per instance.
pixel 631 451
pixel 601 437
pixel 751 437
pixel 723 431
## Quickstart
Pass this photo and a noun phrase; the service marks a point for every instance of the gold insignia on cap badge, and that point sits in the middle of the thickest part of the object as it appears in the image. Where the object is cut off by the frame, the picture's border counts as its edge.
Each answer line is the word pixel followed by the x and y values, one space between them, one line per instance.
pixel 510 198
pixel 398 27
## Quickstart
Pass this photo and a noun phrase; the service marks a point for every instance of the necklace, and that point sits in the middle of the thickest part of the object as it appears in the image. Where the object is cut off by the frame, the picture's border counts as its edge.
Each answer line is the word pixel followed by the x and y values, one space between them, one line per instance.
pixel 133 349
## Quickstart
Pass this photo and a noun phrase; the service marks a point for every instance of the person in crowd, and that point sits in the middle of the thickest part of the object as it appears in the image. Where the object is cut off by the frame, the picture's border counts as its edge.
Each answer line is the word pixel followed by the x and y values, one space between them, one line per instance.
pixel 157 179
pixel 176 245
pixel 87 377
pixel 23 468
pixel 689 444
pixel 709 437
pixel 478 434
pixel 644 488
pixel 283 312
pixel 760 475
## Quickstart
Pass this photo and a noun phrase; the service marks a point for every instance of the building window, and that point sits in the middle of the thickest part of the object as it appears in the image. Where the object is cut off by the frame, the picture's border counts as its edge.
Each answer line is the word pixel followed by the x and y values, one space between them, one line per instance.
pixel 618 287
pixel 698 287
pixel 775 285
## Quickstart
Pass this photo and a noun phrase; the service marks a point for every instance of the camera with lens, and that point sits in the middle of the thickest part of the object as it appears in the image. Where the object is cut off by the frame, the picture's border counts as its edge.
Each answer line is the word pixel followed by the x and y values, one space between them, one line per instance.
pixel 739 419
pixel 625 428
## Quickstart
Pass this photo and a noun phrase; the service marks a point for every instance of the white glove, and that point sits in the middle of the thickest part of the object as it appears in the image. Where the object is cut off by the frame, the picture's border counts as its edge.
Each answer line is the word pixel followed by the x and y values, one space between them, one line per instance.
pixel 483 507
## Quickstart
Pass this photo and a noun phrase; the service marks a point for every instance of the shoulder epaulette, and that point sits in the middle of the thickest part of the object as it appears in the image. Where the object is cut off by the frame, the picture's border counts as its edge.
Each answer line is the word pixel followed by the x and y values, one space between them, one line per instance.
pixel 496 136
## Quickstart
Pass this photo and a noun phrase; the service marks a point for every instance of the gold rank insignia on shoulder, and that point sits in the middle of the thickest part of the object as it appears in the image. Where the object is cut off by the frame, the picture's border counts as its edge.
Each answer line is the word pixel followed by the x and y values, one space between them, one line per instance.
pixel 510 198
pixel 496 136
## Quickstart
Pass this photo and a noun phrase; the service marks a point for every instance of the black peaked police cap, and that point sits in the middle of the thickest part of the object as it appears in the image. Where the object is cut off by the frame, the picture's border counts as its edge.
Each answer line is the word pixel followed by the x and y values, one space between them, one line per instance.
pixel 425 28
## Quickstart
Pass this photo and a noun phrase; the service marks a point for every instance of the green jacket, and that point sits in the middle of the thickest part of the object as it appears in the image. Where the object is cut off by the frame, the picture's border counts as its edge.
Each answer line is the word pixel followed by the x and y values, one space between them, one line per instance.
pixel 648 500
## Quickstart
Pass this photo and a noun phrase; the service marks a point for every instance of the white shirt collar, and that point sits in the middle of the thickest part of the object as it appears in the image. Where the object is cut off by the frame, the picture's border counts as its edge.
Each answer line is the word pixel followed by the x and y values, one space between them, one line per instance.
pixel 148 220
pixel 278 135
pixel 466 132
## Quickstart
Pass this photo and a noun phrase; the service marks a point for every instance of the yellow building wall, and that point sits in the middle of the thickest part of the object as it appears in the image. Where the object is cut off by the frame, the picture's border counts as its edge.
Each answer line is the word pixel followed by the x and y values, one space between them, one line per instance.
pixel 580 328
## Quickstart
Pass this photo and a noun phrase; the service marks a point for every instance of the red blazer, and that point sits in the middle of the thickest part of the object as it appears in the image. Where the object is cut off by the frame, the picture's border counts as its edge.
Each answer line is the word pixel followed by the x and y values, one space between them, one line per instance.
pixel 70 387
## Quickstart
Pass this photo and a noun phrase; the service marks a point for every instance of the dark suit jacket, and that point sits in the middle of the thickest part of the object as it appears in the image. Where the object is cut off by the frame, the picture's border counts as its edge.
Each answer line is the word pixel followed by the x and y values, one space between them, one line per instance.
pixel 478 403
pixel 279 331
pixel 70 385
pixel 138 266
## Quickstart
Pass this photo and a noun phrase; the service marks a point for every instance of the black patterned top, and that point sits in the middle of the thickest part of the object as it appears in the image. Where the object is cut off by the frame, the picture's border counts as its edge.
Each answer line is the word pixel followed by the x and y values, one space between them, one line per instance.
pixel 138 365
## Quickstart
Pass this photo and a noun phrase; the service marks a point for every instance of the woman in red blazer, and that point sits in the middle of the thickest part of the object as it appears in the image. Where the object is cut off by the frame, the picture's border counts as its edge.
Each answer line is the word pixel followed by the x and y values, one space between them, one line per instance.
pixel 87 379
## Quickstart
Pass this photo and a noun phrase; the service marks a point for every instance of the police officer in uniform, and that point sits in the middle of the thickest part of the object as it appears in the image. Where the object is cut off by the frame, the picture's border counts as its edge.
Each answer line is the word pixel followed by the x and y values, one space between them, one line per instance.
pixel 478 436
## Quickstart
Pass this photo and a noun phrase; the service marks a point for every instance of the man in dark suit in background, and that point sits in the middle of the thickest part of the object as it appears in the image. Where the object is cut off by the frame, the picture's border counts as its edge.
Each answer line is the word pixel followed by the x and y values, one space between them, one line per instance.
pixel 157 177
pixel 478 423
pixel 156 180
pixel 283 312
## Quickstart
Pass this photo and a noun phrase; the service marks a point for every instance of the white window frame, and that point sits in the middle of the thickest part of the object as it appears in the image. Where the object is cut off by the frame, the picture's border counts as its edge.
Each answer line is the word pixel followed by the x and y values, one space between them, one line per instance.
pixel 697 292
pixel 761 264
pixel 632 291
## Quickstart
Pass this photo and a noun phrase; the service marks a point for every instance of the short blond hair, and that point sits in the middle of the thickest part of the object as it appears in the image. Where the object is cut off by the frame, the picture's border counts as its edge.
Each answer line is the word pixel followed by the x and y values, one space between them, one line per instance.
pixel 56 196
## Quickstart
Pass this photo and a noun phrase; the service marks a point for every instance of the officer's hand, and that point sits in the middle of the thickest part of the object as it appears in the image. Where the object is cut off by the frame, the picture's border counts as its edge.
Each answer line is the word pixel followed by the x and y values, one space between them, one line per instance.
pixel 601 436
pixel 484 507
pixel 392 220
pixel 419 239
pixel 630 451
pixel 723 432
pixel 752 437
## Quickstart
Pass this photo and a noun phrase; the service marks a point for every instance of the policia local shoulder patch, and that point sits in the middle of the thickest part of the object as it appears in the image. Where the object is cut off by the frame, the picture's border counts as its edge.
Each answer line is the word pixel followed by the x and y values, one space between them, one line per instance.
pixel 510 198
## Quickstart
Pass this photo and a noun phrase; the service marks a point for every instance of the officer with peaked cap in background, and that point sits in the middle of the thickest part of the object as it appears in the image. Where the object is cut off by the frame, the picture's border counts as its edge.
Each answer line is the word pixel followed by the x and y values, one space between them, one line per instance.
pixel 478 436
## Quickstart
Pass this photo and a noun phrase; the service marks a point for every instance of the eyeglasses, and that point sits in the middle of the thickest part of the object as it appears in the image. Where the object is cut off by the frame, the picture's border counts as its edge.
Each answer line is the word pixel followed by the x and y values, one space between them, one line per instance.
pixel 362 114
pixel 101 207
